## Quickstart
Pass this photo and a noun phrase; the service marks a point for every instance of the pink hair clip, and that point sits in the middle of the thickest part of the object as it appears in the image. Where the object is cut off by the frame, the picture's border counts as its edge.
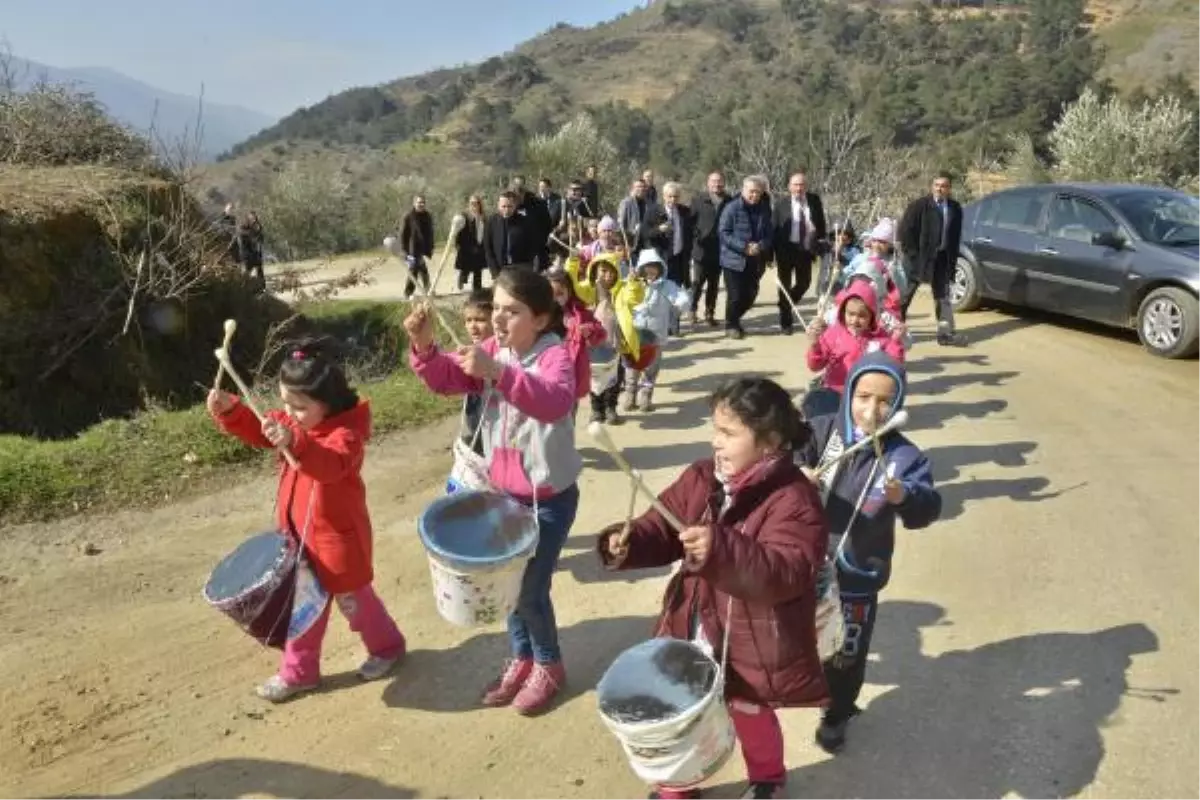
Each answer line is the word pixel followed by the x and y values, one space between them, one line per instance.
pixel 298 355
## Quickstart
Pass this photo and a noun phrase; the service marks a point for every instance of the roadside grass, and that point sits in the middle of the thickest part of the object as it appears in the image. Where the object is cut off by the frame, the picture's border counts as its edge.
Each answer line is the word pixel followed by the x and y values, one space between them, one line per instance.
pixel 157 456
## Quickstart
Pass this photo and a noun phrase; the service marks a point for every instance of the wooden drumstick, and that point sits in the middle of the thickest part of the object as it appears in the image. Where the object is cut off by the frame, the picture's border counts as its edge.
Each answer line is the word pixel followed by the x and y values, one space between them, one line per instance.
pixel 230 329
pixel 795 311
pixel 223 357
pixel 633 493
pixel 600 434
pixel 897 421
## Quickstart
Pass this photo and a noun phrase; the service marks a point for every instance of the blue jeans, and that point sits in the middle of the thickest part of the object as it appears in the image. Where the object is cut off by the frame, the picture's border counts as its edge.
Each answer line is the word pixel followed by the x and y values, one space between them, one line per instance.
pixel 532 630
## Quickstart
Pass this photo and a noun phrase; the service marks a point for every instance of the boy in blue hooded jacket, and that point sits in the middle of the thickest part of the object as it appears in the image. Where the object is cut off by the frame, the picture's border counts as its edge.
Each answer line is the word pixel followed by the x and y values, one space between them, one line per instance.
pixel 901 486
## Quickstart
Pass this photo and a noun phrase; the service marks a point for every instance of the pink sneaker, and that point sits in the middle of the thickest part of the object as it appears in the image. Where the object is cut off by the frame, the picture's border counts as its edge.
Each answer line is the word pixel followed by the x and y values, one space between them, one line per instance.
pixel 539 691
pixel 502 690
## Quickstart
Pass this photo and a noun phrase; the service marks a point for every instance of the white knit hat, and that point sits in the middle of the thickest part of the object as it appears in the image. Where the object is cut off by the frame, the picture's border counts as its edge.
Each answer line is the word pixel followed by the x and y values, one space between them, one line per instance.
pixel 649 256
pixel 884 231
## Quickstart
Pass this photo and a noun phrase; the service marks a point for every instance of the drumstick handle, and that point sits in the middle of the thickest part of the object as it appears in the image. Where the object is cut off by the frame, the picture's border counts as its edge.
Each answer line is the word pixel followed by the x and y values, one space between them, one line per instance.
pixel 849 451
pixel 223 357
pixel 230 327
pixel 627 529
pixel 633 474
pixel 795 311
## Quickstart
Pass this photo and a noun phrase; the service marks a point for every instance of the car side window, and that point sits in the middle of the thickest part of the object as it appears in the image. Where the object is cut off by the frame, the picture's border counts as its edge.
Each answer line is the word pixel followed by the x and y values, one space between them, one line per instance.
pixel 1014 211
pixel 1077 220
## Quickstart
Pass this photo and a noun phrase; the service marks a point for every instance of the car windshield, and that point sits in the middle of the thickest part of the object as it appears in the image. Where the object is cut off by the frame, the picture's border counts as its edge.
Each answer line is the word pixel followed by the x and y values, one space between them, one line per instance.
pixel 1171 219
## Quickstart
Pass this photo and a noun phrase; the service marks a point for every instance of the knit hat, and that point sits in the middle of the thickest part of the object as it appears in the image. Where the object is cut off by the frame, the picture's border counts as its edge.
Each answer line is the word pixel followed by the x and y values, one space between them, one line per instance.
pixel 607 223
pixel 647 257
pixel 884 231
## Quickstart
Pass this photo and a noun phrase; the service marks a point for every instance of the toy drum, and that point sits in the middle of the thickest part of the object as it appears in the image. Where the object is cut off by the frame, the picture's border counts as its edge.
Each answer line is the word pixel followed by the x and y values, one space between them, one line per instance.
pixel 648 351
pixel 604 360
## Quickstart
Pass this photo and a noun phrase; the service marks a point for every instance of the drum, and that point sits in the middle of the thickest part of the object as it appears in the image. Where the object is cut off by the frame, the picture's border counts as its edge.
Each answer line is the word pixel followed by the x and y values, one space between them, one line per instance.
pixel 604 359
pixel 267 589
pixel 648 352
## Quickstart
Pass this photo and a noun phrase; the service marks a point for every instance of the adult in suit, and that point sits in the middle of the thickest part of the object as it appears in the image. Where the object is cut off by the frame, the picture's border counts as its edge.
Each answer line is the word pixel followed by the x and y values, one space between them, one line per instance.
pixel 638 216
pixel 746 242
pixel 798 232
pixel 706 246
pixel 930 235
pixel 675 236
pixel 591 192
pixel 538 224
pixel 470 257
pixel 508 240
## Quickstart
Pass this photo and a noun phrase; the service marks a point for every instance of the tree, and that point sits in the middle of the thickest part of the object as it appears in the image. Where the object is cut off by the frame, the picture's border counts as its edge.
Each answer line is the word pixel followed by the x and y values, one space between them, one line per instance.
pixel 1113 141
pixel 563 155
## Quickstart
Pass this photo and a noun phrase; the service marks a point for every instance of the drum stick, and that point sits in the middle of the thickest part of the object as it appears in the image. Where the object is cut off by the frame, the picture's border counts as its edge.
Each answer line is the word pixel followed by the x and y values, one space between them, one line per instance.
pixel 457 224
pixel 897 421
pixel 230 329
pixel 627 529
pixel 795 311
pixel 600 434
pixel 223 357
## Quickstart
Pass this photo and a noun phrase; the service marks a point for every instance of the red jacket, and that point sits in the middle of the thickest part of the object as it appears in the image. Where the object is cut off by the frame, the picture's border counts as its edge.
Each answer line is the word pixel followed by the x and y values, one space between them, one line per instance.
pixel 330 460
pixel 837 349
pixel 583 331
pixel 767 549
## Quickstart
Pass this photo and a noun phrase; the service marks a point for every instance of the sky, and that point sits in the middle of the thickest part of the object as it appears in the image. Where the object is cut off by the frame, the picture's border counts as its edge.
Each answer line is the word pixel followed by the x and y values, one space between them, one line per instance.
pixel 277 55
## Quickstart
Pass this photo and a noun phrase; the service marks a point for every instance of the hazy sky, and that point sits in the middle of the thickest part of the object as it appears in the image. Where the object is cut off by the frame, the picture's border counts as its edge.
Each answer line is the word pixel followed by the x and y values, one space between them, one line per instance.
pixel 276 55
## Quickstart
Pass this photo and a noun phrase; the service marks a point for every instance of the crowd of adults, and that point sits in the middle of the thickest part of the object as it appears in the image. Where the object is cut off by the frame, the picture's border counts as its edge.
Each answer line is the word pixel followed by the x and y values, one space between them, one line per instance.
pixel 719 238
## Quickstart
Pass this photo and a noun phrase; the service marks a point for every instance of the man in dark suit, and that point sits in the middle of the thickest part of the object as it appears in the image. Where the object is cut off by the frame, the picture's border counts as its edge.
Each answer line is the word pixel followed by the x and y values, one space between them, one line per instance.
pixel 798 231
pixel 591 192
pixel 706 246
pixel 508 240
pixel 538 224
pixel 675 236
pixel 930 235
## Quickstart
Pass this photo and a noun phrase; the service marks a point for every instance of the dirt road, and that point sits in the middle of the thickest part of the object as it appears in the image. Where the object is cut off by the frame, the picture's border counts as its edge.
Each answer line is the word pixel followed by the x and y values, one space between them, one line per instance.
pixel 1039 641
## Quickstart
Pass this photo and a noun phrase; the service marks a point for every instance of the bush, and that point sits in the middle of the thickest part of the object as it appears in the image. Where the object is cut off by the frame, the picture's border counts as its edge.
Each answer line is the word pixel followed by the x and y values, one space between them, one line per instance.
pixel 160 454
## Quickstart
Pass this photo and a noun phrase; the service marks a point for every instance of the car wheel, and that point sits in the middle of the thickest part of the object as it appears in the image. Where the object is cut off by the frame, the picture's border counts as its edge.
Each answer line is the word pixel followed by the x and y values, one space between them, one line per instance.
pixel 1168 321
pixel 964 286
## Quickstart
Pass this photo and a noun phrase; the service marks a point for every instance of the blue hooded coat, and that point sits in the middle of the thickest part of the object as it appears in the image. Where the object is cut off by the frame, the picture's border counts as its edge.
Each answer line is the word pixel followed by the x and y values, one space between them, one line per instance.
pixel 864 561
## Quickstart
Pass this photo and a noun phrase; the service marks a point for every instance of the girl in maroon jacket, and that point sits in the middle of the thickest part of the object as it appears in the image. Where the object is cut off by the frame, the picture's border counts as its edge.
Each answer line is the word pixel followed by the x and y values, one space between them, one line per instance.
pixel 757 534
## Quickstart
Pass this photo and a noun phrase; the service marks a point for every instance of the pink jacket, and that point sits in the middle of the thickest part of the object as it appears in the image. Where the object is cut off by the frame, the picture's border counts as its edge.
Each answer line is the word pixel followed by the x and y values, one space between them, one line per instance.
pixel 837 349
pixel 583 331
pixel 528 431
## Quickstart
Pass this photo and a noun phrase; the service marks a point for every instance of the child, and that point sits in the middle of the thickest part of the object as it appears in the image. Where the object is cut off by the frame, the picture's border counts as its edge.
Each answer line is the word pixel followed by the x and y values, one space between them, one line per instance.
pixel 845 250
pixel 322 502
pixel 607 240
pixel 529 442
pixel 755 534
pixel 878 264
pixel 901 487
pixel 653 318
pixel 583 331
pixel 834 348
pixel 477 318
pixel 613 312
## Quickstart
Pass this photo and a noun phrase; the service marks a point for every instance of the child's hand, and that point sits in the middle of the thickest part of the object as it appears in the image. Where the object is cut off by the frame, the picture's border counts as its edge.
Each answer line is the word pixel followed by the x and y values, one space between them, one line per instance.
pixel 899 331
pixel 697 543
pixel 220 403
pixel 816 329
pixel 478 364
pixel 617 546
pixel 894 491
pixel 419 326
pixel 278 434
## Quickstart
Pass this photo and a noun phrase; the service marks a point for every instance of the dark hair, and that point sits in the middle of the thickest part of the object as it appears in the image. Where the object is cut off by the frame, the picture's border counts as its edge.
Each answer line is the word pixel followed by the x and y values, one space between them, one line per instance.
pixel 943 175
pixel 545 181
pixel 480 300
pixel 511 195
pixel 311 368
pixel 764 407
pixel 533 289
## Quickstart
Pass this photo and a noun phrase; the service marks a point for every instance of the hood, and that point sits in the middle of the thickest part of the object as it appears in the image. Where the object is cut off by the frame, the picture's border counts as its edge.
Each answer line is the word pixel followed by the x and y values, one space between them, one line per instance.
pixel 884 231
pixel 862 292
pixel 649 256
pixel 878 361
pixel 357 419
pixel 607 223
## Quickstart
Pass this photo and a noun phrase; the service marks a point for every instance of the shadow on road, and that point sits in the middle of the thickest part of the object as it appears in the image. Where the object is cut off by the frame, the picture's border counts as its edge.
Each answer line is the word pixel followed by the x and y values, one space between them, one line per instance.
pixel 452 680
pixel 948 461
pixel 991 330
pixel 936 415
pixel 941 384
pixel 241 777
pixel 935 365
pixel 955 496
pixel 1022 715
pixel 585 566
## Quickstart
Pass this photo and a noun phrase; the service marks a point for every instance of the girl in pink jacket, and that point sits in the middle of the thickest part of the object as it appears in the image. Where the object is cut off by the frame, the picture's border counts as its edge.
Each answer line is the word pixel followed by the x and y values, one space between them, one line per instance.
pixel 836 347
pixel 583 329
pixel 527 379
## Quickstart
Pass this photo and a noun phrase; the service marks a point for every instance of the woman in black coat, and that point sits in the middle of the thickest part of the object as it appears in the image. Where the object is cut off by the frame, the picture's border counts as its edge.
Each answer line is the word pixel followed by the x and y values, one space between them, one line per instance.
pixel 469 256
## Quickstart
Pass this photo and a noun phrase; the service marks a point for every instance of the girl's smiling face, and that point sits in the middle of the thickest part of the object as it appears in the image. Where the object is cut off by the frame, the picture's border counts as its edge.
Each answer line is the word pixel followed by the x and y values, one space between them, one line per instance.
pixel 856 316
pixel 309 413
pixel 561 293
pixel 516 326
pixel 735 447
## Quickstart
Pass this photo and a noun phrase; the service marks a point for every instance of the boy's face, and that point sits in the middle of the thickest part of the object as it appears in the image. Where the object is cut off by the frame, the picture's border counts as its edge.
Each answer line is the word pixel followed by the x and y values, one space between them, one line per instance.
pixel 606 276
pixel 856 316
pixel 846 239
pixel 652 272
pixel 871 403
pixel 478 323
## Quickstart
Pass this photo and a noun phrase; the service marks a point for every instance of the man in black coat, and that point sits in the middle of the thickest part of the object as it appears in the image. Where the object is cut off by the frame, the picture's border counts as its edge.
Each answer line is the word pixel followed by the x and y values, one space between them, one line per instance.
pixel 416 240
pixel 674 241
pixel 798 231
pixel 930 235
pixel 508 240
pixel 591 192
pixel 706 246
pixel 537 215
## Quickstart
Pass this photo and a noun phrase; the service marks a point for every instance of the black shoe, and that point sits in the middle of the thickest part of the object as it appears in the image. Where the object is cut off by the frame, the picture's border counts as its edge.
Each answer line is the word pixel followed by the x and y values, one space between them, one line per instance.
pixel 946 339
pixel 759 790
pixel 735 333
pixel 789 330
pixel 711 319
pixel 831 733
pixel 598 416
pixel 614 417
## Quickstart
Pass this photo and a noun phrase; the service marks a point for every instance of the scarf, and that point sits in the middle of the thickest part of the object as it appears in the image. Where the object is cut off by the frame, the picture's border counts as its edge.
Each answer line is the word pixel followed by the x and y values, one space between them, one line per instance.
pixel 731 485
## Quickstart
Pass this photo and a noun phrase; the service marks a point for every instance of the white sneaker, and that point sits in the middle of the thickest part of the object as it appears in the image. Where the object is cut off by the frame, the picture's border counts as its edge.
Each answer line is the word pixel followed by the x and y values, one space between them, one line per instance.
pixel 276 690
pixel 376 667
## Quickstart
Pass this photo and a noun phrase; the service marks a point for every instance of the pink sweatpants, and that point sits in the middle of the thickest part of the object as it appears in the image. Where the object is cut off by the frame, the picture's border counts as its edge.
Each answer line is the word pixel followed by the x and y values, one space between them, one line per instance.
pixel 761 737
pixel 367 617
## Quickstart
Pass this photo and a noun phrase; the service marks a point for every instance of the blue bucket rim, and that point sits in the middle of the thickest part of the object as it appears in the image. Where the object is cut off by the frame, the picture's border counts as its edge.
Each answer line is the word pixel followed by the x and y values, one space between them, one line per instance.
pixel 442 553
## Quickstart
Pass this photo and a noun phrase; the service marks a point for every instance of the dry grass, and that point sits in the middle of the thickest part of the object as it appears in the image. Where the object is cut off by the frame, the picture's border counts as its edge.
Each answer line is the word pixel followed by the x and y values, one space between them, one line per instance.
pixel 31 193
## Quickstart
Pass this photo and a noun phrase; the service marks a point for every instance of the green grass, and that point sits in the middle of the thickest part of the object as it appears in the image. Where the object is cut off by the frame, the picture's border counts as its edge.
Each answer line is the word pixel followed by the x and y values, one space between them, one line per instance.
pixel 160 455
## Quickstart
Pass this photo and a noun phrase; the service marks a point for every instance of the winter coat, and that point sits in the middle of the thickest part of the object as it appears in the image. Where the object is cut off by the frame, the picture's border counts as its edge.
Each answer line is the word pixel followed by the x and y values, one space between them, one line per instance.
pixel 920 236
pixel 768 546
pixel 528 428
pixel 864 563
pixel 741 224
pixel 706 224
pixel 653 313
pixel 838 348
pixel 583 331
pixel 469 251
pixel 327 481
pixel 416 234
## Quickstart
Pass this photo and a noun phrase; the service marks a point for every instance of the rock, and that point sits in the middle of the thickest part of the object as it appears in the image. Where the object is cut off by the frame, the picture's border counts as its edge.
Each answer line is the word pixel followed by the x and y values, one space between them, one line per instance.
pixel 226 731
pixel 90 549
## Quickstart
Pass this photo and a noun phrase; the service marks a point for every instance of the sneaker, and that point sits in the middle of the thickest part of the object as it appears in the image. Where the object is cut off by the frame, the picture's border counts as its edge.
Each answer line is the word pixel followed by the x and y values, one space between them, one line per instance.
pixel 629 402
pixel 735 333
pixel 540 689
pixel 645 399
pixel 377 667
pixel 600 416
pixel 760 790
pixel 614 417
pixel 502 690
pixel 948 339
pixel 789 330
pixel 831 733
pixel 276 690
pixel 711 319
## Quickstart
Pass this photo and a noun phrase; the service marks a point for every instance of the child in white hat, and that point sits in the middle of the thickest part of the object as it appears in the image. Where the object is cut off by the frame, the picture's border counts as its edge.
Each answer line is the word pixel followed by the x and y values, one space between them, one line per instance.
pixel 662 300
pixel 877 264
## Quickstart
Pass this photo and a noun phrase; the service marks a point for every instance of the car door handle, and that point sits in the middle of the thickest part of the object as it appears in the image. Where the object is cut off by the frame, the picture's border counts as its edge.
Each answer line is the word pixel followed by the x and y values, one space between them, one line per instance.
pixel 1047 251
pixel 981 240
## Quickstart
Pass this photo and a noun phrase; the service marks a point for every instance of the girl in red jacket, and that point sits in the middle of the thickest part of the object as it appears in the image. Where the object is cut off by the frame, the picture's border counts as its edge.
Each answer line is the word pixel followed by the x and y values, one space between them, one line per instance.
pixel 757 534
pixel 837 347
pixel 322 502
pixel 583 330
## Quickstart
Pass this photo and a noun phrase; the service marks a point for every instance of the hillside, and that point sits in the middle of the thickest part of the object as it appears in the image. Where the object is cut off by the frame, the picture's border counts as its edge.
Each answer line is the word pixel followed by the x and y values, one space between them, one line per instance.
pixel 673 84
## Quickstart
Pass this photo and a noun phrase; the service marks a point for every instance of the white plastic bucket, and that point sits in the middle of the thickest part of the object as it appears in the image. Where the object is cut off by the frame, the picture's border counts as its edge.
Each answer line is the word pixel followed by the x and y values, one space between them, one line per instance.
pixel 675 733
pixel 478 544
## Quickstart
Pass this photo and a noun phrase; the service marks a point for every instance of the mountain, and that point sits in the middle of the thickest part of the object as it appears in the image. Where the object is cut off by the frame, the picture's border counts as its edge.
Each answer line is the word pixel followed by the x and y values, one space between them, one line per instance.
pixel 675 84
pixel 139 105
